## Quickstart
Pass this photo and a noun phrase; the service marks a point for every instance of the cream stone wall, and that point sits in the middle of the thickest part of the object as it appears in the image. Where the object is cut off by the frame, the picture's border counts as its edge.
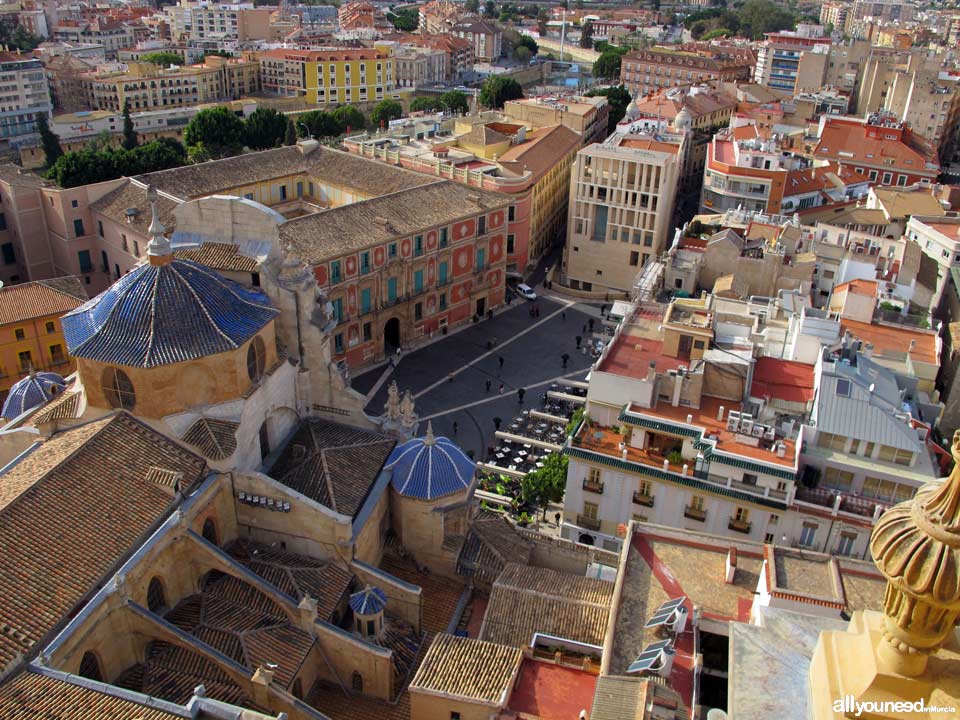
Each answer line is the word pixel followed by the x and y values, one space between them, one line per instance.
pixel 432 707
pixel 348 654
pixel 368 547
pixel 170 389
pixel 419 525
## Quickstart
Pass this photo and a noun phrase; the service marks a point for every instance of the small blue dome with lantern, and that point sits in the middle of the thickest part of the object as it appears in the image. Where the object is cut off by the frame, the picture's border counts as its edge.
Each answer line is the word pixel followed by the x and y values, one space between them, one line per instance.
pixel 429 467
pixel 165 311
pixel 369 601
pixel 31 392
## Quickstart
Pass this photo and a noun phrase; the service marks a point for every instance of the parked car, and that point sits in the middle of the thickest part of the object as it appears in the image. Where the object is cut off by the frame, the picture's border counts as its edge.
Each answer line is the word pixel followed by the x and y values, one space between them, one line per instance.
pixel 525 291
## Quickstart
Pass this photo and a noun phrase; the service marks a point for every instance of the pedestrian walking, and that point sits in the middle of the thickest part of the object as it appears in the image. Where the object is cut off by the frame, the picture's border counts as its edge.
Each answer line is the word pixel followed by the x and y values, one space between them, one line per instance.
pixel 563 315
pixel 531 311
pixel 584 329
pixel 456 427
pixel 565 357
pixel 450 377
pixel 579 340
pixel 537 307
pixel 556 516
pixel 488 384
pixel 398 351
pixel 590 323
pixel 496 423
pixel 602 309
pixel 520 393
pixel 501 388
pixel 500 360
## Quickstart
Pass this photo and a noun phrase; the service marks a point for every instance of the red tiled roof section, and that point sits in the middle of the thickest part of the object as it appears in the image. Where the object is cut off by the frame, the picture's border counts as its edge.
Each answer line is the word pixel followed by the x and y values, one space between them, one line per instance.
pixel 783 380
pixel 649 144
pixel 31 695
pixel 541 151
pixel 857 146
pixel 859 287
pixel 888 340
pixel 92 480
pixel 19 303
pixel 549 691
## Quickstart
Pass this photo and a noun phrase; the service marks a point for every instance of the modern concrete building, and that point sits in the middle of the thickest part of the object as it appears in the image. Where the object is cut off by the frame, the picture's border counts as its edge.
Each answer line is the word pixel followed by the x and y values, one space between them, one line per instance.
pixel 112 35
pixel 794 62
pixel 622 195
pixel 24 95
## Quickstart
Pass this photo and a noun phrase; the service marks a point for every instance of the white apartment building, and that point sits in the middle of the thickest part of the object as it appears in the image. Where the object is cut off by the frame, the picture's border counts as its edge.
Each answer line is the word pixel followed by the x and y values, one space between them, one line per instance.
pixel 684 433
pixel 939 238
pixel 112 35
pixel 620 215
pixel 24 95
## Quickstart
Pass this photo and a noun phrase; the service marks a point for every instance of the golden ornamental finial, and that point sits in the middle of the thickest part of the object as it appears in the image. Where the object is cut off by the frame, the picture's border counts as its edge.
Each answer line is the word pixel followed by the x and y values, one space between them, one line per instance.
pixel 916 545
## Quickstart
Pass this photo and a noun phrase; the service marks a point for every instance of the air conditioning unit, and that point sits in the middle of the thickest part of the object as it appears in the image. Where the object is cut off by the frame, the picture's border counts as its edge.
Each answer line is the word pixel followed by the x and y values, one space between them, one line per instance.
pixel 758 430
pixel 746 425
pixel 733 421
pixel 770 434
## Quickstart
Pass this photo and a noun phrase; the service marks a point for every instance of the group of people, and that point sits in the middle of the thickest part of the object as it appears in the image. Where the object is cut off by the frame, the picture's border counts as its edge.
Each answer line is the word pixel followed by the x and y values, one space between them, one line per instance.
pixel 535 310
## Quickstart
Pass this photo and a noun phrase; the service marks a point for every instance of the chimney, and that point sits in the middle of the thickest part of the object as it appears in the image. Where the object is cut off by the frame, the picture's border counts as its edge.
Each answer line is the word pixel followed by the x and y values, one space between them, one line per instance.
pixel 720 413
pixel 677 387
pixel 666 464
pixel 686 467
pixel 913 345
pixel 308 614
pixel 781 449
pixel 867 350
pixel 260 683
pixel 307 146
pixel 731 566
pixel 652 371
pixel 689 419
pixel 623 454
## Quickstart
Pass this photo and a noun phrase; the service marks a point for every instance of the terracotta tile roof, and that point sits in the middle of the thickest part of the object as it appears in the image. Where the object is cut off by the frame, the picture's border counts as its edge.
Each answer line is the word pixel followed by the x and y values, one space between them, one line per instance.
pixel 65 407
pixel 369 177
pixel 859 287
pixel 32 696
pixel 219 256
pixel 132 197
pixel 857 147
pixel 827 177
pixel 213 438
pixel 93 480
pixel 333 464
pixel 348 228
pixel 528 600
pixel 468 668
pixel 895 340
pixel 902 203
pixel 543 149
pixel 16 175
pixel 26 301
pixel 440 595
pixel 783 380
pixel 649 144
pixel 296 575
pixel 620 697
pixel 484 135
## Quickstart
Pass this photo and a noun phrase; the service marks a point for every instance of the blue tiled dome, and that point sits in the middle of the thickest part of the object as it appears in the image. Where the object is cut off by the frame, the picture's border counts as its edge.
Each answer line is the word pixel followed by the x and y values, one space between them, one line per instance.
pixel 429 467
pixel 168 313
pixel 368 601
pixel 30 392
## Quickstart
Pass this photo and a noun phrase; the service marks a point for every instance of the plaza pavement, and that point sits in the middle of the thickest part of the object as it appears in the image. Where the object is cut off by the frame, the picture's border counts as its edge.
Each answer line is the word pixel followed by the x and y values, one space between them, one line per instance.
pixel 531 348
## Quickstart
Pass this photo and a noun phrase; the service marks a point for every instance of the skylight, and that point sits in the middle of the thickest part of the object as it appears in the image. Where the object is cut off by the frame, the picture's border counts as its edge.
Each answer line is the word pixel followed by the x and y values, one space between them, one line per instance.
pixel 843 387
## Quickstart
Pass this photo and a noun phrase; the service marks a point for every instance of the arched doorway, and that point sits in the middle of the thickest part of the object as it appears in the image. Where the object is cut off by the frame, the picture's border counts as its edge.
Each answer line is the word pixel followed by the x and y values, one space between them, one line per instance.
pixel 391 335
pixel 90 667
pixel 210 531
pixel 264 441
pixel 585 539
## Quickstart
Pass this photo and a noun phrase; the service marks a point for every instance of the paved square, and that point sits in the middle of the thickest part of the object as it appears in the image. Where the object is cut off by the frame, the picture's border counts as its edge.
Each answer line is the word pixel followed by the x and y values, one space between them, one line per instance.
pixel 531 349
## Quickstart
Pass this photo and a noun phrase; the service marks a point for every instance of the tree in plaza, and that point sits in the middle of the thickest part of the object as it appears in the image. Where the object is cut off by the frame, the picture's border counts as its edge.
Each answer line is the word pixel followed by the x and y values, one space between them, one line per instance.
pixel 50 142
pixel 265 128
pixel 497 90
pixel 455 101
pixel 129 134
pixel 425 104
pixel 586 35
pixel 385 111
pixel 348 119
pixel 618 97
pixel 546 485
pixel 218 129
pixel 162 58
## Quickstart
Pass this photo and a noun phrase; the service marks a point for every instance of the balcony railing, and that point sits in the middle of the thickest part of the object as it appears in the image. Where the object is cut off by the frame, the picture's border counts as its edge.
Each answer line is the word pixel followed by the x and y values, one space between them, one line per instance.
pixel 739 525
pixel 588 522
pixel 594 487
pixel 693 513
pixel 641 499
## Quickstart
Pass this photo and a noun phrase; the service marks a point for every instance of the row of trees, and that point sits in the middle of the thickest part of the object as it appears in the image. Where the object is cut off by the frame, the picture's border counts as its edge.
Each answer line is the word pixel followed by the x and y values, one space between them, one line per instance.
pixel 452 101
pixel 94 165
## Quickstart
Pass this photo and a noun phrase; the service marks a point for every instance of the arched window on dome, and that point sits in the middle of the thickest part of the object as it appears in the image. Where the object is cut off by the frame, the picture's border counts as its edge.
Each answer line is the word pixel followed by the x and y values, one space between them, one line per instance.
pixel 118 389
pixel 256 359
pixel 90 667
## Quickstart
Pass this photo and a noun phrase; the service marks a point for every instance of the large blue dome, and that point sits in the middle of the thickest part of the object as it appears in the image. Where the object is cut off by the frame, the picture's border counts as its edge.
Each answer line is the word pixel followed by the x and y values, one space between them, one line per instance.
pixel 429 467
pixel 32 391
pixel 166 313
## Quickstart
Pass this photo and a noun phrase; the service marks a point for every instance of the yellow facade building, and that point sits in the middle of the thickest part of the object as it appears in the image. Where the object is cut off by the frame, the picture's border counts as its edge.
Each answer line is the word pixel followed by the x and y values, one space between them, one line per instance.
pixel 30 331
pixel 329 77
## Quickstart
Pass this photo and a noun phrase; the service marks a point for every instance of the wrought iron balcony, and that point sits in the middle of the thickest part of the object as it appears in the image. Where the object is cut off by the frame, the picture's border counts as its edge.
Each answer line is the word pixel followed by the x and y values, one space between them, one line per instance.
pixel 588 522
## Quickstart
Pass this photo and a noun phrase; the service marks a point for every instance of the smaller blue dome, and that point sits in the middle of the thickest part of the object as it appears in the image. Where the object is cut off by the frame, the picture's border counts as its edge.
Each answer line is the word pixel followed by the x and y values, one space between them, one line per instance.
pixel 429 467
pixel 32 391
pixel 368 601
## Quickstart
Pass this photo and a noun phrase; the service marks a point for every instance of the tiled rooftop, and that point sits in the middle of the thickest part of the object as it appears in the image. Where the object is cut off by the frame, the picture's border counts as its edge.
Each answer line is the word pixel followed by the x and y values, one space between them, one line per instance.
pixel 468 668
pixel 439 597
pixel 889 340
pixel 94 480
pixel 552 692
pixel 26 301
pixel 127 205
pixel 213 438
pixel 333 464
pixel 527 600
pixel 219 256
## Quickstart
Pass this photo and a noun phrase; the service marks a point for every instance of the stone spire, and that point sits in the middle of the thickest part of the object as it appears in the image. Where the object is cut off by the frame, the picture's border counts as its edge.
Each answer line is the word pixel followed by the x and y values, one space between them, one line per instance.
pixel 158 250
pixel 429 439
pixel 916 545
